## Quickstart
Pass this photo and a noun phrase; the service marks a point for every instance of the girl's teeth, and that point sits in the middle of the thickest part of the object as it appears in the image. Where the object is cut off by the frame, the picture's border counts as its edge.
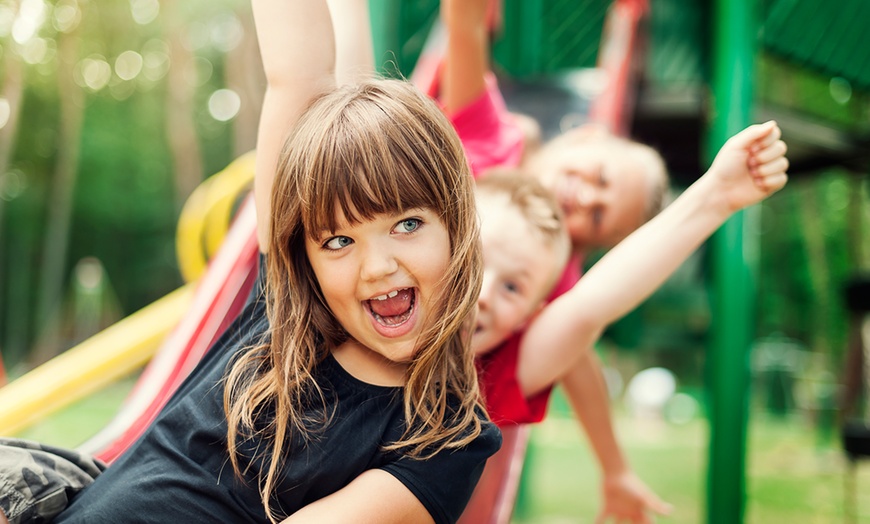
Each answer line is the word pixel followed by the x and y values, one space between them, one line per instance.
pixel 391 294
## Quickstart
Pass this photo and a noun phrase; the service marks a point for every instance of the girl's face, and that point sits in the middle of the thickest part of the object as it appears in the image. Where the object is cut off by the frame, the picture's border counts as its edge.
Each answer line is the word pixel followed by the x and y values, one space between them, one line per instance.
pixel 380 278
pixel 602 190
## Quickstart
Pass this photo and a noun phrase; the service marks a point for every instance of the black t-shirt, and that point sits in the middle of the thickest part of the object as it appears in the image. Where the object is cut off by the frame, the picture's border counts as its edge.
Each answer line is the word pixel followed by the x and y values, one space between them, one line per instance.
pixel 179 470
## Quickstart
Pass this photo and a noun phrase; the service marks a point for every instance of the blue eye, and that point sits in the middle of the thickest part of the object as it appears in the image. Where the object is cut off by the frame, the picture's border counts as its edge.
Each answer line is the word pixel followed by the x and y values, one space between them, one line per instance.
pixel 336 243
pixel 409 225
pixel 511 287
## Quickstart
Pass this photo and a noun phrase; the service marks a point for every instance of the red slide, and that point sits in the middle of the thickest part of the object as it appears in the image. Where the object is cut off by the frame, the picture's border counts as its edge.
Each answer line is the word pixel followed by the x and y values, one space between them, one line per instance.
pixel 219 297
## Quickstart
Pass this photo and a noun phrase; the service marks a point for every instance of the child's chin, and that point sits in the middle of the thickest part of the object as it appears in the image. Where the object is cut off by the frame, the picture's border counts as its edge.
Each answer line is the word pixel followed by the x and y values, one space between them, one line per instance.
pixel 481 347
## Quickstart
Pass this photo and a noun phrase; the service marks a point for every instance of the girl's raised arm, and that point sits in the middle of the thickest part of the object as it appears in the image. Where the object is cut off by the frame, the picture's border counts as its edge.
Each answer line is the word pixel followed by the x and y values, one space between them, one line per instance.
pixel 467 61
pixel 354 54
pixel 298 50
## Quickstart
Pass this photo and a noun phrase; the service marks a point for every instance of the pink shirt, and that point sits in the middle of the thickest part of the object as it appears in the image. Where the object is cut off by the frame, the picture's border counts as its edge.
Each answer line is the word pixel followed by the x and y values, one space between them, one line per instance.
pixel 490 135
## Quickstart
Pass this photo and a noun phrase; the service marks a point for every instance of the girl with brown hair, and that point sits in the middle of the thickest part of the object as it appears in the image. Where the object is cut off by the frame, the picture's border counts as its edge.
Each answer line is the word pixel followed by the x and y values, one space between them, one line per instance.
pixel 346 389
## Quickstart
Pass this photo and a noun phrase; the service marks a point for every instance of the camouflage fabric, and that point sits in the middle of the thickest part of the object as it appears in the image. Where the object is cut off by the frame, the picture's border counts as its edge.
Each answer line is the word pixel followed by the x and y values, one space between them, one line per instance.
pixel 37 481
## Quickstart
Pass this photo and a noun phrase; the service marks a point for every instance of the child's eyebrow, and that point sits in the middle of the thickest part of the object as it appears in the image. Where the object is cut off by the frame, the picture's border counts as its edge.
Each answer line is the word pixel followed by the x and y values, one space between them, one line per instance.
pixel 522 273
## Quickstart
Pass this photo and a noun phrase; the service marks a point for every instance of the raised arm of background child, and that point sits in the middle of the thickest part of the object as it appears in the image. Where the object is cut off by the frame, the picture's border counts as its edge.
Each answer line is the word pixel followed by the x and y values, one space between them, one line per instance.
pixel 375 497
pixel 467 61
pixel 749 167
pixel 625 498
pixel 298 50
pixel 354 54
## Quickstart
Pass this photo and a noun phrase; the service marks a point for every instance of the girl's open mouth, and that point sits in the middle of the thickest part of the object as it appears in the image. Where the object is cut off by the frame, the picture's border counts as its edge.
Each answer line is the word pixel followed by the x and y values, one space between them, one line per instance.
pixel 393 310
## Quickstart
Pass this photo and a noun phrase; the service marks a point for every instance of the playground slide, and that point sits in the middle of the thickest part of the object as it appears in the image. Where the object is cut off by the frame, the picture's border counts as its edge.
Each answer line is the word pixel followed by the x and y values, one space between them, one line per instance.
pixel 129 344
pixel 91 365
pixel 220 295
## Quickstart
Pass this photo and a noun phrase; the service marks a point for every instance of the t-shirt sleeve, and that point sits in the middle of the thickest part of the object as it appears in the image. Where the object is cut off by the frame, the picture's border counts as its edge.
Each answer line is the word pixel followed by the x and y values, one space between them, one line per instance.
pixel 490 135
pixel 505 401
pixel 444 482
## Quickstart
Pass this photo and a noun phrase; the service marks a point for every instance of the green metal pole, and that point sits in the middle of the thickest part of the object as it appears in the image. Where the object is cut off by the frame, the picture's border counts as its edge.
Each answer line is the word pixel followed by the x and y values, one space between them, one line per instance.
pixel 735 263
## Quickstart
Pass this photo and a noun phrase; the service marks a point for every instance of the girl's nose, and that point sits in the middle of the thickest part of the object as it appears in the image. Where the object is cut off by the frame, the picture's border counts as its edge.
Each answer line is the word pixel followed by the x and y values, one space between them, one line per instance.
pixel 588 196
pixel 377 264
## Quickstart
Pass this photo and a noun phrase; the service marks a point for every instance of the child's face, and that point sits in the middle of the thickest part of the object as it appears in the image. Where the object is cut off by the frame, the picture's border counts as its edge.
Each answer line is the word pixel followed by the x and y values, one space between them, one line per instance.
pixel 518 272
pixel 380 277
pixel 602 190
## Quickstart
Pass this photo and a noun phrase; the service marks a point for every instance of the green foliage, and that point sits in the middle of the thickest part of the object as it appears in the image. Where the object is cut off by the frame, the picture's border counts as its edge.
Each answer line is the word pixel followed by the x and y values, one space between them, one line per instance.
pixel 124 206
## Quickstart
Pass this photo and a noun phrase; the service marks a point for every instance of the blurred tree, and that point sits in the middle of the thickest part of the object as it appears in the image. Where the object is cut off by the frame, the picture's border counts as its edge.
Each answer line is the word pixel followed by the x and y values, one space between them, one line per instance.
pixel 245 76
pixel 53 267
pixel 10 109
pixel 180 125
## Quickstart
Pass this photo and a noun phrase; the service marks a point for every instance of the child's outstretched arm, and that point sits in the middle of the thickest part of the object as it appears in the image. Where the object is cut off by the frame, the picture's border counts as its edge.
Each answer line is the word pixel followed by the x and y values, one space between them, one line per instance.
pixel 750 167
pixel 354 53
pixel 467 61
pixel 624 496
pixel 298 50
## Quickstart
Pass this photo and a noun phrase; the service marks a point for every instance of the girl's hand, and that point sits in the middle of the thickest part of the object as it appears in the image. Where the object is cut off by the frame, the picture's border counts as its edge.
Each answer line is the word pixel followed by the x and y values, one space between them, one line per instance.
pixel 750 166
pixel 627 499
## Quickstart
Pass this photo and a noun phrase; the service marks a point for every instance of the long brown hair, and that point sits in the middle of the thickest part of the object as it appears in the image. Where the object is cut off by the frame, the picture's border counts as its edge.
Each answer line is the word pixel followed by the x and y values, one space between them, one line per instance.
pixel 377 147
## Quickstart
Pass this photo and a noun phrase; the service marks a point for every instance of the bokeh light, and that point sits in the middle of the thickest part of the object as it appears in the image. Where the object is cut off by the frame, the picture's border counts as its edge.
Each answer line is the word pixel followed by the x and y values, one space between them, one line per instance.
pixel 5 112
pixel 226 32
pixel 93 73
pixel 31 16
pixel 128 65
pixel 155 59
pixel 204 69
pixel 12 185
pixel 224 104
pixel 840 89
pixel 144 11
pixel 67 16
pixel 7 18
pixel 37 51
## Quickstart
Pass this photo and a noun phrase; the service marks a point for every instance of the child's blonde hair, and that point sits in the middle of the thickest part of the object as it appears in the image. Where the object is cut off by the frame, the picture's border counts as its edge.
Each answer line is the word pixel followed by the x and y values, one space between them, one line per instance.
pixel 367 149
pixel 538 208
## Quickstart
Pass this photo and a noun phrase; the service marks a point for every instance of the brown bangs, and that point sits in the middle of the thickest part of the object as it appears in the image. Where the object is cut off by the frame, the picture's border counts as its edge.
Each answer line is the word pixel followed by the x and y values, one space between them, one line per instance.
pixel 376 162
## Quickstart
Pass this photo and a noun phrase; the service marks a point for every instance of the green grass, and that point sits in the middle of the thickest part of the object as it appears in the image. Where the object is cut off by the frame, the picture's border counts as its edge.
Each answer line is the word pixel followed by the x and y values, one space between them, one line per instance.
pixel 793 475
pixel 75 424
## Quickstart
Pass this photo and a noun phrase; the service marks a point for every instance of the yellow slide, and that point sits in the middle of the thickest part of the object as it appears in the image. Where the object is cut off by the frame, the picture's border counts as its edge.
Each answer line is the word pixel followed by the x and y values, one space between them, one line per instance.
pixel 129 344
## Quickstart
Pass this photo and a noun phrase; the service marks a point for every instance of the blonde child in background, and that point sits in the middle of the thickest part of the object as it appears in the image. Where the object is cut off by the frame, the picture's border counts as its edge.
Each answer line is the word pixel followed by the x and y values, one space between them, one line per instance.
pixel 525 345
pixel 606 187
pixel 602 191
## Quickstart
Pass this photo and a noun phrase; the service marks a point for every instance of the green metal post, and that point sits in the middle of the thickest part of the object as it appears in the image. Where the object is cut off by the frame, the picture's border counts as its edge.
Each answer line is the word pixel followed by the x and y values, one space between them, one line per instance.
pixel 735 262
pixel 384 16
